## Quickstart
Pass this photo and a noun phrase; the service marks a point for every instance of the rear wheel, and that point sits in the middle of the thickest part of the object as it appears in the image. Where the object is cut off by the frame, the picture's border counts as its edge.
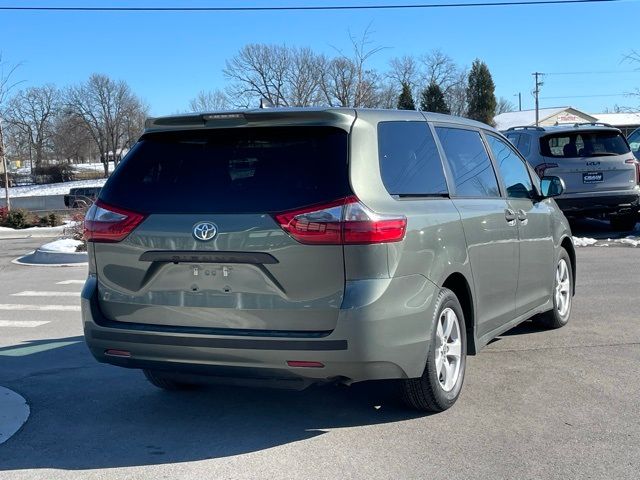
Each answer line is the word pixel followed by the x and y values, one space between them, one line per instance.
pixel 166 381
pixel 623 223
pixel 562 295
pixel 439 386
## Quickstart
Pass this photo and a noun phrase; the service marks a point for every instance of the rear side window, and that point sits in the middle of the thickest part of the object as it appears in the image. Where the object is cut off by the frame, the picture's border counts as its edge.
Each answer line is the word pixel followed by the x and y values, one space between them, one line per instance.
pixel 583 144
pixel 521 141
pixel 469 161
pixel 409 160
pixel 240 170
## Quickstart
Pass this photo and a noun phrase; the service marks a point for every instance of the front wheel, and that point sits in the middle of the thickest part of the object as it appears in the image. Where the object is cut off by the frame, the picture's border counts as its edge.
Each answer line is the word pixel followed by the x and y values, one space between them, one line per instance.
pixel 562 295
pixel 439 386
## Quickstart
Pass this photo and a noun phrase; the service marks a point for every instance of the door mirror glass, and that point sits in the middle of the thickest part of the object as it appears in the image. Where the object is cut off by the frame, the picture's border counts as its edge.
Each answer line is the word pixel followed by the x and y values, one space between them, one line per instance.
pixel 551 186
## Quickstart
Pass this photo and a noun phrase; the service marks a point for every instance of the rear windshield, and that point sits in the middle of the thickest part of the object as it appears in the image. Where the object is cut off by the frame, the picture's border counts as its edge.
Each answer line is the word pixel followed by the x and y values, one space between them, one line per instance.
pixel 241 170
pixel 583 144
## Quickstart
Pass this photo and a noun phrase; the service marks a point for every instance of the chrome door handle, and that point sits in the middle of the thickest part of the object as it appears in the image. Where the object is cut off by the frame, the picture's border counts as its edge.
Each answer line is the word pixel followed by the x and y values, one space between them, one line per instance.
pixel 510 216
pixel 522 216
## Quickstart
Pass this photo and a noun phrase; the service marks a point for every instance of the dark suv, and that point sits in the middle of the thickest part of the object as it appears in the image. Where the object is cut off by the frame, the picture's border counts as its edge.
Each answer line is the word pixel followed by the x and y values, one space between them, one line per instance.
pixel 81 197
pixel 299 246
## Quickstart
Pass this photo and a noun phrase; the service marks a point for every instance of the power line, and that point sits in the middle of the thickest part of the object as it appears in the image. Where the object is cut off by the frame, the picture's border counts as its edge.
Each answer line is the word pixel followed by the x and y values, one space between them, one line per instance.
pixel 303 8
pixel 603 72
pixel 588 96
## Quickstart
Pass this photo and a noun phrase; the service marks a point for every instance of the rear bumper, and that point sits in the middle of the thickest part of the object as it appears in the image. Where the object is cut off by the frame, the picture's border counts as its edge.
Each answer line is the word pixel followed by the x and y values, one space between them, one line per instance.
pixel 603 203
pixel 373 340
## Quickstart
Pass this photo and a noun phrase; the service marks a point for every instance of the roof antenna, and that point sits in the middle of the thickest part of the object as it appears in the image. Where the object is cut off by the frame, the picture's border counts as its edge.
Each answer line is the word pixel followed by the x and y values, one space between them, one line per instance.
pixel 264 103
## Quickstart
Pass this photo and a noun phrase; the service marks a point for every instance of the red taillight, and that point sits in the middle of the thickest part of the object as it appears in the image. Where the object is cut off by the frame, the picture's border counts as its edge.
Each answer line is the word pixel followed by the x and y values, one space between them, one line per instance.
pixel 540 169
pixel 108 224
pixel 344 221
pixel 637 164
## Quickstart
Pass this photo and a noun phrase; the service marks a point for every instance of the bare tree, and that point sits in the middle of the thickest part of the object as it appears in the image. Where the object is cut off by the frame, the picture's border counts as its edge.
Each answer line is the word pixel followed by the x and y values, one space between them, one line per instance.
pixel 404 70
pixel 347 81
pixel 440 69
pixel 208 101
pixel 6 85
pixel 259 71
pixel 504 105
pixel 456 94
pixel 31 112
pixel 111 113
pixel 303 77
pixel 71 140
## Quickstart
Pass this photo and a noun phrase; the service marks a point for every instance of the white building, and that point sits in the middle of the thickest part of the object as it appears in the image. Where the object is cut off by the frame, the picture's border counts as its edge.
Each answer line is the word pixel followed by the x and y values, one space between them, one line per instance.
pixel 626 122
pixel 547 117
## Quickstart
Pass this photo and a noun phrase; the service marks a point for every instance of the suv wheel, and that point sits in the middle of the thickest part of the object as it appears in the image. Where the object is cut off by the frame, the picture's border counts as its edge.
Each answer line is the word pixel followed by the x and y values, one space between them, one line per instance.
pixel 562 295
pixel 623 223
pixel 439 386
pixel 166 381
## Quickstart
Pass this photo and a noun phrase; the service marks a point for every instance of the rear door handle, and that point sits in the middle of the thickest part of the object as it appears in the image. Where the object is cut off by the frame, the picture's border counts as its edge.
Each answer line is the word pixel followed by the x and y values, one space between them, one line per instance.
pixel 510 216
pixel 522 216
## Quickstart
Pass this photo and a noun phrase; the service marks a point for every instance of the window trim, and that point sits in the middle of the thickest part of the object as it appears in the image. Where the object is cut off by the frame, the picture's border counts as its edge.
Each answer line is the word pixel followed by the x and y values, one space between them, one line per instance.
pixel 453 192
pixel 527 167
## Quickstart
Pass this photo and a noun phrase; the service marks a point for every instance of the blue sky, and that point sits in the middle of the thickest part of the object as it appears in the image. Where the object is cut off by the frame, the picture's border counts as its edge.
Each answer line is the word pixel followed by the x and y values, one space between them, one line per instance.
pixel 168 57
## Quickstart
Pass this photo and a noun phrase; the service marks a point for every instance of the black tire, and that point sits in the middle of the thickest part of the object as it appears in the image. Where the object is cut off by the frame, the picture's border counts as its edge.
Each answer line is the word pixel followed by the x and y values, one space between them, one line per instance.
pixel 426 393
pixel 553 319
pixel 166 381
pixel 623 223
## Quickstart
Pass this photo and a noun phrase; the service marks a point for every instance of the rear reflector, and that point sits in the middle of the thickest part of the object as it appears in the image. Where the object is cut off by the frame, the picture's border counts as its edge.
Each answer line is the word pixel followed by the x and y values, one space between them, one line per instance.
pixel 108 224
pixel 342 222
pixel 117 353
pixel 304 364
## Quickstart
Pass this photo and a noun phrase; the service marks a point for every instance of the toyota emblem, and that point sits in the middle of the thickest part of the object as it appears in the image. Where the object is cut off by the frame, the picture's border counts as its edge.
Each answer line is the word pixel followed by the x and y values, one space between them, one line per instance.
pixel 204 231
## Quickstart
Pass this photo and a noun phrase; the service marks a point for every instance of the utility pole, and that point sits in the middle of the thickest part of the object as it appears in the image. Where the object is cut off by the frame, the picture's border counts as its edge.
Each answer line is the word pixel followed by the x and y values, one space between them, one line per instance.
pixel 536 93
pixel 519 95
pixel 3 157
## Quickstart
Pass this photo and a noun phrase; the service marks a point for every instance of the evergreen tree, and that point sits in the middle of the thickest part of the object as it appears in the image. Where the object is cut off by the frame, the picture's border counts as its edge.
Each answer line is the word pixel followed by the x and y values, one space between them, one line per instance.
pixel 481 93
pixel 432 100
pixel 405 101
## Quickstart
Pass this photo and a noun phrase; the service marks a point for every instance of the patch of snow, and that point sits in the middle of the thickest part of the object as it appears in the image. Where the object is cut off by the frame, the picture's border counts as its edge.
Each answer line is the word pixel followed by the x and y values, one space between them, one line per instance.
pixel 50 188
pixel 34 232
pixel 630 240
pixel 64 245
pixel 583 241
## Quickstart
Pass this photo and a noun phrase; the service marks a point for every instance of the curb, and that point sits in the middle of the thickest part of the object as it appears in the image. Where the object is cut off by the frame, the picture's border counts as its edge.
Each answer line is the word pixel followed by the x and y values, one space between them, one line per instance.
pixel 44 258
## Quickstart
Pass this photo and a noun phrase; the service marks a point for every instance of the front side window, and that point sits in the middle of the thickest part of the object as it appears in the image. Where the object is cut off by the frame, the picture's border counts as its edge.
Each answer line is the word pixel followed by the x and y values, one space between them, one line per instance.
pixel 409 160
pixel 583 144
pixel 469 162
pixel 513 170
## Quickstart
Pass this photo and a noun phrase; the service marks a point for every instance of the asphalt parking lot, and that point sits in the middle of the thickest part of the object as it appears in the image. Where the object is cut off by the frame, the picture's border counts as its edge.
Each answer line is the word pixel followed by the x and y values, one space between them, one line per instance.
pixel 536 404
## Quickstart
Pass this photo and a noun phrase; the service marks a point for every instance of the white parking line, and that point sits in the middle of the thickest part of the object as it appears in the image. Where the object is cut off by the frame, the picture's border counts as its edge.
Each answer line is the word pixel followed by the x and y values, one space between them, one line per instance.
pixel 39 308
pixel 71 282
pixel 22 323
pixel 31 293
pixel 14 412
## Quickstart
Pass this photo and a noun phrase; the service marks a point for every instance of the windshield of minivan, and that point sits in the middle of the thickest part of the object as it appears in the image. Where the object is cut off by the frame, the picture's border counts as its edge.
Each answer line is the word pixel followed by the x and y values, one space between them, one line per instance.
pixel 583 144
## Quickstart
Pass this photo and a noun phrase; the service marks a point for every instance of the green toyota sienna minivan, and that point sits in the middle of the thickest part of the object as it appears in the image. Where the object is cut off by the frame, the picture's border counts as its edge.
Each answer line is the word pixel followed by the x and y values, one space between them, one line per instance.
pixel 299 246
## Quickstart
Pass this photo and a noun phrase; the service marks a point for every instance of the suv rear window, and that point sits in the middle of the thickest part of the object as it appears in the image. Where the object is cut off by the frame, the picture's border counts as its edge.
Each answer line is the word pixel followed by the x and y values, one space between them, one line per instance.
pixel 410 164
pixel 240 170
pixel 583 144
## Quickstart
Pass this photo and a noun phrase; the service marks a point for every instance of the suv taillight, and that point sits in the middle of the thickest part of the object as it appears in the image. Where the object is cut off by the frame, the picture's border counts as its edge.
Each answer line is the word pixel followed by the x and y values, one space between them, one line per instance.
pixel 108 224
pixel 342 222
pixel 637 164
pixel 540 169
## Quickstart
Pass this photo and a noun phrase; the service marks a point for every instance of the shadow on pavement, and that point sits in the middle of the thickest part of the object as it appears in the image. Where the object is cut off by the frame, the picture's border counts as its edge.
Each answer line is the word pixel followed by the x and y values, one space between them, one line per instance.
pixel 87 415
pixel 598 229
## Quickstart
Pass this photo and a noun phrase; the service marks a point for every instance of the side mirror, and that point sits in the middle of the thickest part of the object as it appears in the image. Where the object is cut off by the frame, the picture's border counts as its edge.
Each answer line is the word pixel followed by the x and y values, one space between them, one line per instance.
pixel 551 186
